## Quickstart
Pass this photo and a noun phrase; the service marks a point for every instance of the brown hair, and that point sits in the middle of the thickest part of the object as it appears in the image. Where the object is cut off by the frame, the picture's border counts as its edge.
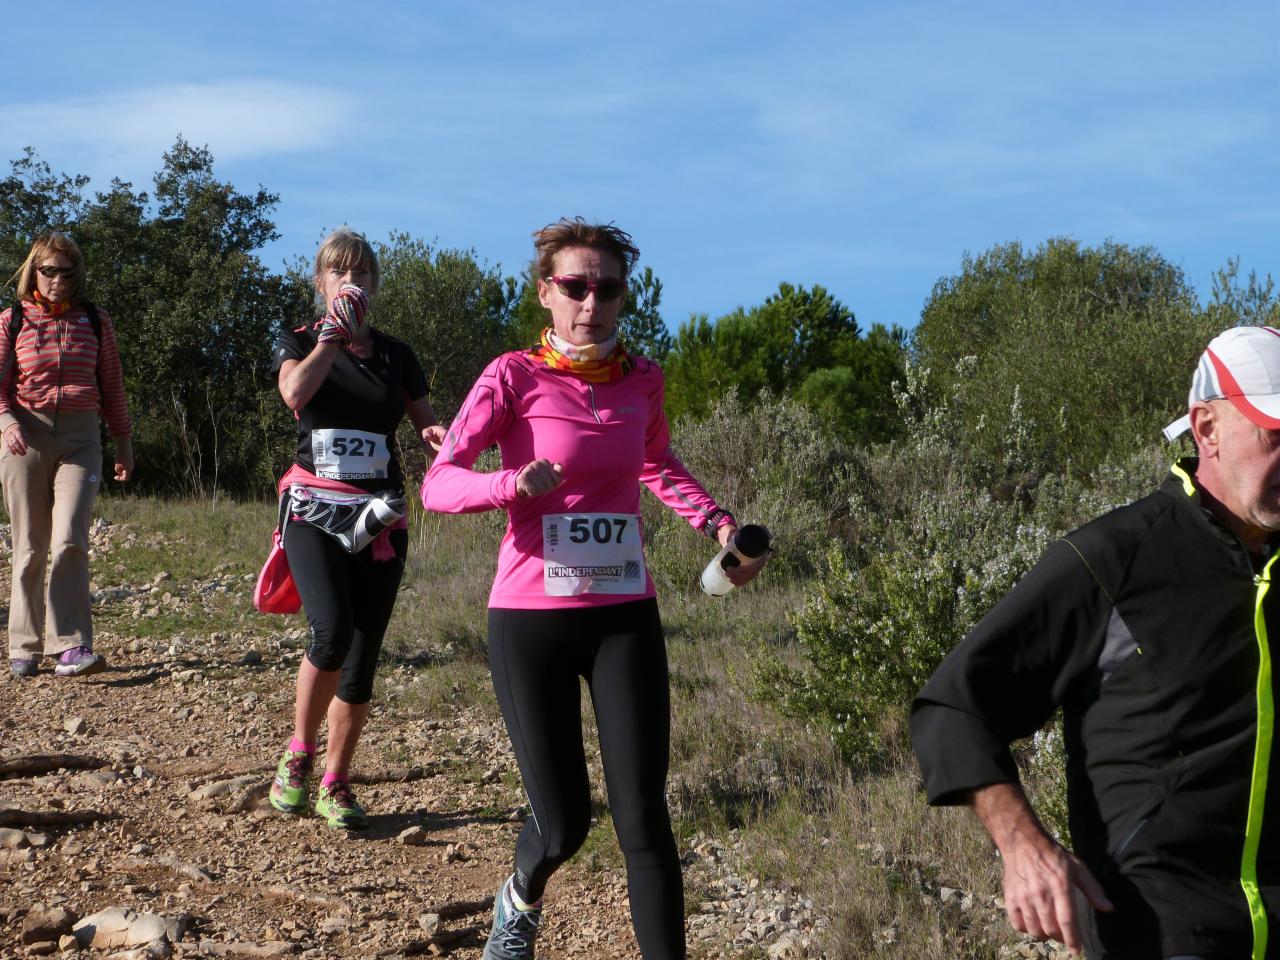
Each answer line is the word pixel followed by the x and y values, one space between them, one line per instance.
pixel 566 233
pixel 345 248
pixel 46 245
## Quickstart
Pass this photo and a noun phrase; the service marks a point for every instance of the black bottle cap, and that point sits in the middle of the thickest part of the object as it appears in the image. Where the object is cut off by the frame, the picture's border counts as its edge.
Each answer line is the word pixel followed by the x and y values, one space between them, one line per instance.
pixel 752 540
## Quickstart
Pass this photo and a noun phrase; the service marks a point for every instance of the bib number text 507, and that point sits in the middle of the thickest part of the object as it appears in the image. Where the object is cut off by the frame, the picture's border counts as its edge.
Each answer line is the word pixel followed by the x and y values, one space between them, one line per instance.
pixel 599 530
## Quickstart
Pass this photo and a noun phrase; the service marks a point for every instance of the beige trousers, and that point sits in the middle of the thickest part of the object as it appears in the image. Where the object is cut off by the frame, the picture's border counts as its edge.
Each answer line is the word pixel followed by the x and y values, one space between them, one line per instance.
pixel 49 493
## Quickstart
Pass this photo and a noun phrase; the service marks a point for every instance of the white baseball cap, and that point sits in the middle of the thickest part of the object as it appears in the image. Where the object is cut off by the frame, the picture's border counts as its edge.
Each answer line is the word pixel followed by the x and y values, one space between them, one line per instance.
pixel 1241 365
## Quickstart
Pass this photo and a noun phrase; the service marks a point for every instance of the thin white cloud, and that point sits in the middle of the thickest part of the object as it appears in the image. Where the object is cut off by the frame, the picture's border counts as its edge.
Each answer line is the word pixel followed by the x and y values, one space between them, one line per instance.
pixel 125 131
pixel 960 105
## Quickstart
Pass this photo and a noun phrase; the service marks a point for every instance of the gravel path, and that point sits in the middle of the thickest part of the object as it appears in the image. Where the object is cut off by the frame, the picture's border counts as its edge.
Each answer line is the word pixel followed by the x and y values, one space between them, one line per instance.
pixel 184 732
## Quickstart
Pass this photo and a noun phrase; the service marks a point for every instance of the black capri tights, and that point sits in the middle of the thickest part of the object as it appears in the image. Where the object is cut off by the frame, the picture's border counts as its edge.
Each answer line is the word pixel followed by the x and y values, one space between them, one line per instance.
pixel 537 657
pixel 348 601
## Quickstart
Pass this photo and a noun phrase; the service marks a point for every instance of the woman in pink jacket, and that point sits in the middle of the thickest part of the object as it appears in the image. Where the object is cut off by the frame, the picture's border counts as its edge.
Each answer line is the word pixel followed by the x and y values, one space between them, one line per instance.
pixel 580 425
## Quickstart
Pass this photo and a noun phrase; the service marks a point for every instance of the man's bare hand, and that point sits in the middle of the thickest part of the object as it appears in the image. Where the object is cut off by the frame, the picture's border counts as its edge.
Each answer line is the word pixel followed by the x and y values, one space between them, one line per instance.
pixel 1039 875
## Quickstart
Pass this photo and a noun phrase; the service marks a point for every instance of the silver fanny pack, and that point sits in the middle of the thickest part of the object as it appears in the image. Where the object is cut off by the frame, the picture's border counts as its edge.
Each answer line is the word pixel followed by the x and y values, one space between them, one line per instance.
pixel 353 519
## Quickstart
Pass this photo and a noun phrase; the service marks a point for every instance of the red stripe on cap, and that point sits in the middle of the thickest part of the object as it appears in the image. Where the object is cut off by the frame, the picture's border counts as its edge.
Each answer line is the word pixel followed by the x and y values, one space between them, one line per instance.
pixel 1231 391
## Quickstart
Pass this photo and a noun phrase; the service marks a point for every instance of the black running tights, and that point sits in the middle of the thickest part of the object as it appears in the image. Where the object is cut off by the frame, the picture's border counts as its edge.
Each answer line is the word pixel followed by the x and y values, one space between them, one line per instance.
pixel 348 601
pixel 537 657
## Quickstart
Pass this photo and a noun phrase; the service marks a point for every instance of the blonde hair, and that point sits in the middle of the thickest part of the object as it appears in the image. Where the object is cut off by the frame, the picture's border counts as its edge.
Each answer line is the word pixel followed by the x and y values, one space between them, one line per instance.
pixel 46 245
pixel 345 248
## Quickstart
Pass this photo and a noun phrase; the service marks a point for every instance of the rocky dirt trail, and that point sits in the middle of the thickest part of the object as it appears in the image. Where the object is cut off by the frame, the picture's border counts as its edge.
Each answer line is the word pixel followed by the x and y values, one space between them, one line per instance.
pixel 143 789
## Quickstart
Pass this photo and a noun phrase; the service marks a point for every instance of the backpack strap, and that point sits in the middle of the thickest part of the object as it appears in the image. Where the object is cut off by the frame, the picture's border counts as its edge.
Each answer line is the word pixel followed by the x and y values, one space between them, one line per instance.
pixel 15 327
pixel 95 320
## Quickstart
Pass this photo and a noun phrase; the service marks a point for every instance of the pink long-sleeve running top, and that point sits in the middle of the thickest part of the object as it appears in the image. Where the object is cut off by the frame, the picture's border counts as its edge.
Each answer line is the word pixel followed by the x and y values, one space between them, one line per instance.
pixel 608 437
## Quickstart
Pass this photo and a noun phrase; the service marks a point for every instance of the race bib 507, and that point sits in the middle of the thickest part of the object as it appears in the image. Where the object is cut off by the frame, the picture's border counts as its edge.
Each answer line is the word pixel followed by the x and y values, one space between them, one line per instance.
pixel 591 553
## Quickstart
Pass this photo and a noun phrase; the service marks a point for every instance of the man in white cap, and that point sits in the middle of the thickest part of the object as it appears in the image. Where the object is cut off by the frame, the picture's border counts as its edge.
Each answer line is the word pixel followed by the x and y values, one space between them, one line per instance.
pixel 1151 628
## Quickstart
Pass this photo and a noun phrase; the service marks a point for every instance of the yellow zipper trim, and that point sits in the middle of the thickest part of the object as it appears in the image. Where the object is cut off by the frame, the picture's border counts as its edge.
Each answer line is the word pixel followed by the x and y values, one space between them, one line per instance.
pixel 1188 485
pixel 1261 761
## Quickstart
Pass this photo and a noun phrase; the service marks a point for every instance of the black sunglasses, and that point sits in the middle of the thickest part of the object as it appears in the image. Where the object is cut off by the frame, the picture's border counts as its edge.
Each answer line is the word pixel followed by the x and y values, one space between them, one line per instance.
pixel 577 288
pixel 50 271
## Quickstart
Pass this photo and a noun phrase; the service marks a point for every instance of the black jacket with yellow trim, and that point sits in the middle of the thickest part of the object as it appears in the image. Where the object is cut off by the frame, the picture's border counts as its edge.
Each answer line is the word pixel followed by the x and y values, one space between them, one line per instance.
pixel 1141 626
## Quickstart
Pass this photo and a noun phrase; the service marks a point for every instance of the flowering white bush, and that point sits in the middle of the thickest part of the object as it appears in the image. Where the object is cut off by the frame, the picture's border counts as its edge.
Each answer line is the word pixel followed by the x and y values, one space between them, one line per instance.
pixel 942 535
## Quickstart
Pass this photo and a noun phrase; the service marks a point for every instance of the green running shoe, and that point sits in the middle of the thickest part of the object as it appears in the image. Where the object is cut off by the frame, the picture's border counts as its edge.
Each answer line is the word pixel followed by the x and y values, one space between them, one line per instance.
pixel 338 805
pixel 293 776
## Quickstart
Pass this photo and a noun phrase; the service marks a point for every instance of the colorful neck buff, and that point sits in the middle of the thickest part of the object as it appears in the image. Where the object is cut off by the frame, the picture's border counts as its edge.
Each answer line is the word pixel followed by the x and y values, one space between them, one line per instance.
pixel 594 362
pixel 48 306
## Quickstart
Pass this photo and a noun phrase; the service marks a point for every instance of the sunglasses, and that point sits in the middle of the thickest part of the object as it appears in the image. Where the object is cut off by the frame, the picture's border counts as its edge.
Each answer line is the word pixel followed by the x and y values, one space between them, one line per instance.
pixel 577 288
pixel 52 271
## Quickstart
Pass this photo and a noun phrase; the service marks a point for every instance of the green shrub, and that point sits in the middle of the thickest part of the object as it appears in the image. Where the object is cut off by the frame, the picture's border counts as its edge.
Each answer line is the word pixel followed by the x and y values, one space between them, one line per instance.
pixel 942 533
pixel 872 634
pixel 1099 342
pixel 773 463
pixel 1044 775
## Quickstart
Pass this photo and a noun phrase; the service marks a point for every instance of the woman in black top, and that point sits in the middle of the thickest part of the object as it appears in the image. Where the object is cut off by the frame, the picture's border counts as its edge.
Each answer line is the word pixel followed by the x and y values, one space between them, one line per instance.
pixel 349 385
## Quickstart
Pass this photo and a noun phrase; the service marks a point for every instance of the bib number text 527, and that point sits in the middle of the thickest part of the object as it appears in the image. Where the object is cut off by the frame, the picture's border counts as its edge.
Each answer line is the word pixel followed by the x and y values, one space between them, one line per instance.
pixel 349 454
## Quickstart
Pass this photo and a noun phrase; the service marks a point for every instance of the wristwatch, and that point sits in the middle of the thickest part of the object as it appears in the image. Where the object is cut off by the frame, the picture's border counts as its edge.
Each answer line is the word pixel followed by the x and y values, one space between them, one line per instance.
pixel 716 521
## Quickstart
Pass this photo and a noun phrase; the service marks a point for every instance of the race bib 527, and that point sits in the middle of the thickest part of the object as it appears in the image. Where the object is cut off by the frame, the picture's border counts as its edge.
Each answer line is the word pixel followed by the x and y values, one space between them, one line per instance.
pixel 349 454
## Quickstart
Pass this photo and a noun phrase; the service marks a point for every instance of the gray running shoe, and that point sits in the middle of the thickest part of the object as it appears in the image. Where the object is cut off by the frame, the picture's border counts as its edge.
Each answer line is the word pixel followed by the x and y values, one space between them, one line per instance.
pixel 24 666
pixel 79 662
pixel 513 931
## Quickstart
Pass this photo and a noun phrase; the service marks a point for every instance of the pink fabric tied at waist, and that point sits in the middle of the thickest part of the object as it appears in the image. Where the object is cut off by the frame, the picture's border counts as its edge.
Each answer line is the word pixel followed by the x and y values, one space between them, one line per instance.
pixel 381 548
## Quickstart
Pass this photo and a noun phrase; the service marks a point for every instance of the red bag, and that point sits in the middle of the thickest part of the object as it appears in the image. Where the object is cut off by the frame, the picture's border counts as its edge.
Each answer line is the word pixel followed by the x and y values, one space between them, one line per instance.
pixel 275 591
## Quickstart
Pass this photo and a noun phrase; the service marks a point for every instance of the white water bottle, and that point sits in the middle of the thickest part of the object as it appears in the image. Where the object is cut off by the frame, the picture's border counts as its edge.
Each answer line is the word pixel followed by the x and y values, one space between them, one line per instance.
pixel 749 544
pixel 378 514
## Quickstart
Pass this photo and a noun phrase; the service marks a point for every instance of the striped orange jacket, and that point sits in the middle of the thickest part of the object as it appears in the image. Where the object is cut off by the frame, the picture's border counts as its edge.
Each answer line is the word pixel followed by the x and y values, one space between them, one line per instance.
pixel 61 365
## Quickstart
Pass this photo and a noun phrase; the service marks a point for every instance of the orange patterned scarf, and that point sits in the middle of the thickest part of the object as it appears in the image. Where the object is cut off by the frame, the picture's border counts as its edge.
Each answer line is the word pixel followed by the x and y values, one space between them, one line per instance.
pixel 48 306
pixel 595 363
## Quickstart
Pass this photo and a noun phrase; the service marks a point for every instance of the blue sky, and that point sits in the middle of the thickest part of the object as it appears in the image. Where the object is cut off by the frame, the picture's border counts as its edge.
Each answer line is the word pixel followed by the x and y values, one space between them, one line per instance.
pixel 862 146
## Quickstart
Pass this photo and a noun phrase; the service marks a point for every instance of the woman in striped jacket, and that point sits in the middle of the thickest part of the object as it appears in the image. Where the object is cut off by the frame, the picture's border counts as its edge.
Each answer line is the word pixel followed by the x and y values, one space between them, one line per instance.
pixel 59 367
